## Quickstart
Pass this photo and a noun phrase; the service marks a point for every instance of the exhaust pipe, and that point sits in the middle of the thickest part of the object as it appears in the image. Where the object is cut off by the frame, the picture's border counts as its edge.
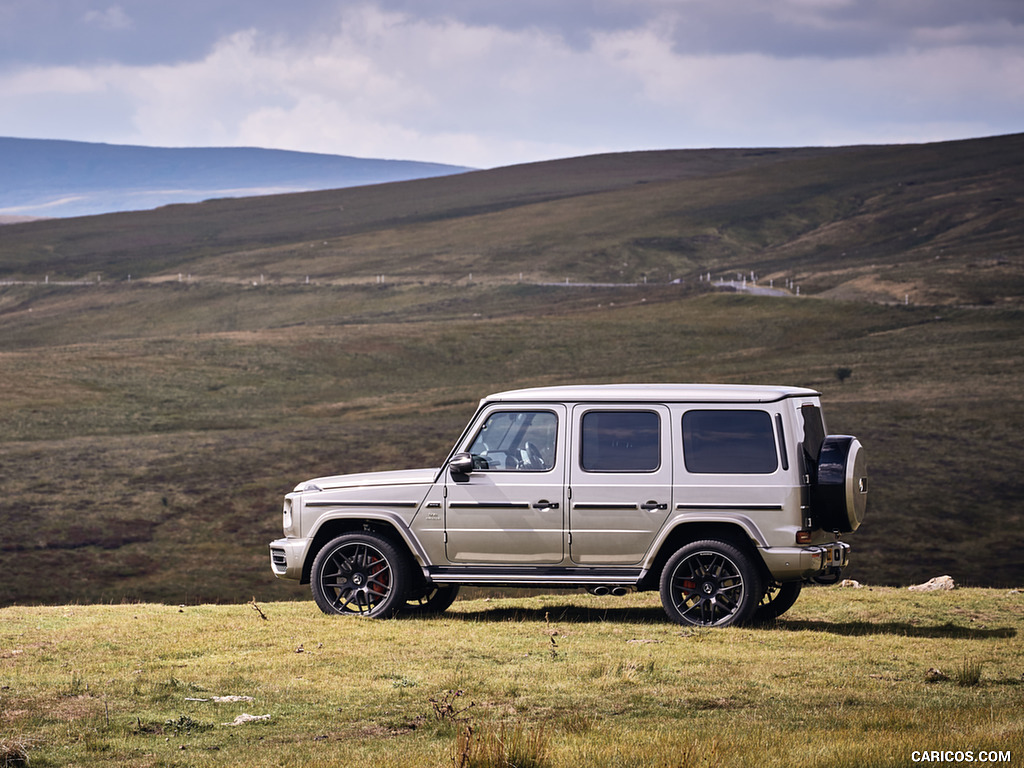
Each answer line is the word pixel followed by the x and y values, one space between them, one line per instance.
pixel 606 590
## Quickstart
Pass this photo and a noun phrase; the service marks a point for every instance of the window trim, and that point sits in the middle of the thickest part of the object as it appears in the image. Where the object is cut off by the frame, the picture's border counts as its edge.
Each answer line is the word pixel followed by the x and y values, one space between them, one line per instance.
pixel 661 453
pixel 781 435
pixel 490 413
pixel 774 442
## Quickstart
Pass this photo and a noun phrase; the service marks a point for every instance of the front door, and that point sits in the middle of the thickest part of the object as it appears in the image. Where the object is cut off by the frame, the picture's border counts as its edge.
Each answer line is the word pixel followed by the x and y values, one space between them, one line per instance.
pixel 511 508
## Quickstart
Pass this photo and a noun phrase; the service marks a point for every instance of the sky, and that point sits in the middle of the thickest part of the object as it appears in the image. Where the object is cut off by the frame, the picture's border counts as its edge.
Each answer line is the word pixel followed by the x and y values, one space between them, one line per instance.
pixel 487 83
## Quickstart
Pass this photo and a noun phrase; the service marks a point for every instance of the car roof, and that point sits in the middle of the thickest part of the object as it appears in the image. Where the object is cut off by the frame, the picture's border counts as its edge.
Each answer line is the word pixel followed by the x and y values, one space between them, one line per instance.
pixel 669 393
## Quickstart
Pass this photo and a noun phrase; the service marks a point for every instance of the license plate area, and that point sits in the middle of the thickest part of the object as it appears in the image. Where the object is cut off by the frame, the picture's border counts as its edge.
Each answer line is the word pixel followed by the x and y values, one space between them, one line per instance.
pixel 836 556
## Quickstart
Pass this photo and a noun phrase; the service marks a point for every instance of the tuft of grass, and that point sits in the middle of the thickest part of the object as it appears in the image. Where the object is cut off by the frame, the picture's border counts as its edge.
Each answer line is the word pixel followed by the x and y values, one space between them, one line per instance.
pixel 507 746
pixel 14 753
pixel 969 673
pixel 186 724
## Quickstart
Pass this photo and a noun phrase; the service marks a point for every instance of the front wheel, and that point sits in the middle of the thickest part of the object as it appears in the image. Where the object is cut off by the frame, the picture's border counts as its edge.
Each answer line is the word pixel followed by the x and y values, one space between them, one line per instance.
pixel 710 584
pixel 433 601
pixel 360 574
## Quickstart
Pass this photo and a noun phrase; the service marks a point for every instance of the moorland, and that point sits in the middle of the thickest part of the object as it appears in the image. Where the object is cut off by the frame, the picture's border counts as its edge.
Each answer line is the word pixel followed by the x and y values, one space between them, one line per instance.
pixel 210 356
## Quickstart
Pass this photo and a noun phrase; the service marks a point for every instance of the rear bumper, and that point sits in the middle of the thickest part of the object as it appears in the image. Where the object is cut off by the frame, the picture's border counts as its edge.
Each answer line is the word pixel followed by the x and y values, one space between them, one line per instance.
pixel 798 563
pixel 286 558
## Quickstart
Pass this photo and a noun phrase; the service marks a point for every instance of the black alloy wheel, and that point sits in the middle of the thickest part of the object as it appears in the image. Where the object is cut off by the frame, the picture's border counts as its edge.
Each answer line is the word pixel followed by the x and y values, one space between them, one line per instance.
pixel 710 584
pixel 360 574
pixel 434 600
pixel 777 599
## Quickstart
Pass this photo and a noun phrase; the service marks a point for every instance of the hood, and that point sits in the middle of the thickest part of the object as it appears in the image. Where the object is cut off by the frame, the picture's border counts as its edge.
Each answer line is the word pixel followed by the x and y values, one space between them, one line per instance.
pixel 366 479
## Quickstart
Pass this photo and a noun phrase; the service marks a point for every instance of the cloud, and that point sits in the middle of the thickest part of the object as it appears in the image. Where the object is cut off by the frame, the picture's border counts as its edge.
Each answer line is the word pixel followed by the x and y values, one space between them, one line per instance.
pixel 376 84
pixel 753 98
pixel 113 19
pixel 780 29
pixel 487 84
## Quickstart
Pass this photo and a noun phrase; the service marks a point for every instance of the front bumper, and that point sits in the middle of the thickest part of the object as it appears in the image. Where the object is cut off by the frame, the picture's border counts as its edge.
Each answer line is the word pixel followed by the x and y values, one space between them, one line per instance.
pixel 286 558
pixel 798 563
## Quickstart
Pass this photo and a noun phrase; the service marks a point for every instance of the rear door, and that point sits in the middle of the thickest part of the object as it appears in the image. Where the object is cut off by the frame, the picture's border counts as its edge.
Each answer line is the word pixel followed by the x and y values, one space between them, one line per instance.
pixel 620 481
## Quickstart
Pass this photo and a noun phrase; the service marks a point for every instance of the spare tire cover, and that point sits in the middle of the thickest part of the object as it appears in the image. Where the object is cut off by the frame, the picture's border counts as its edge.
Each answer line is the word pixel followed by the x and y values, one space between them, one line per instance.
pixel 840 495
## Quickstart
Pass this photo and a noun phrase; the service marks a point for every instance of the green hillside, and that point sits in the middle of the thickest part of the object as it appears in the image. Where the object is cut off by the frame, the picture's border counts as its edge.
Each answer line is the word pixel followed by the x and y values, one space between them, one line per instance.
pixel 151 426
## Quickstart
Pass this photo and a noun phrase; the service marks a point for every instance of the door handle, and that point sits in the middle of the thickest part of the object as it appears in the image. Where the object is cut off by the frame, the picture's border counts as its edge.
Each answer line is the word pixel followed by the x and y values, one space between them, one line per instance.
pixel 652 505
pixel 545 504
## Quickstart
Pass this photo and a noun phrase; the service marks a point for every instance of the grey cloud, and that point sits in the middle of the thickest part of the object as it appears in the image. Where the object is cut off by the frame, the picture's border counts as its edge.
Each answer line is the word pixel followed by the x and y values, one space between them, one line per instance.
pixel 46 32
pixel 780 28
pixel 69 32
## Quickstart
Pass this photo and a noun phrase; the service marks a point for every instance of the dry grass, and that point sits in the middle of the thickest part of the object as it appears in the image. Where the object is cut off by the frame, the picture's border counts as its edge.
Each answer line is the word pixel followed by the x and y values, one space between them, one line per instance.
pixel 841 680
pixel 14 753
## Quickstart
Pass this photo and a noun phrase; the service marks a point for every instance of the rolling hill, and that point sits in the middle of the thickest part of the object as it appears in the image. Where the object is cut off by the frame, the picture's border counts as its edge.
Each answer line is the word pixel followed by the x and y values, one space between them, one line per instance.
pixel 151 424
pixel 935 223
pixel 48 178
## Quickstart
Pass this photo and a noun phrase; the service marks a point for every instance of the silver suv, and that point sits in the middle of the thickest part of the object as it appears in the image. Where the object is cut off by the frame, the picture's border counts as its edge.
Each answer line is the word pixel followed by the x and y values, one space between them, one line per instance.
pixel 726 499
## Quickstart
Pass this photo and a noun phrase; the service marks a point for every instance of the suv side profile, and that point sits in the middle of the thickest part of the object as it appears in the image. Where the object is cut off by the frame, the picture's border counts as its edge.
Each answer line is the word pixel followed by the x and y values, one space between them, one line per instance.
pixel 724 498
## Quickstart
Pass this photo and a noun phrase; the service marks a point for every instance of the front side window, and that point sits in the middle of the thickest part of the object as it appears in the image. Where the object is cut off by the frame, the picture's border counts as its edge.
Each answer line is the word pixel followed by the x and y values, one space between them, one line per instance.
pixel 620 441
pixel 729 442
pixel 516 441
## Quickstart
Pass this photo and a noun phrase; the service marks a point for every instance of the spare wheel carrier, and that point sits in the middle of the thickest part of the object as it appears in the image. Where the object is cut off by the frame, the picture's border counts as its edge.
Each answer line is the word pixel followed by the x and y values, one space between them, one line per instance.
pixel 839 497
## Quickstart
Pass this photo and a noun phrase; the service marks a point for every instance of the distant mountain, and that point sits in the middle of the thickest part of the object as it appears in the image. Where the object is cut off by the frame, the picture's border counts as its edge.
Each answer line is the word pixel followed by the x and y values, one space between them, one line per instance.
pixel 48 178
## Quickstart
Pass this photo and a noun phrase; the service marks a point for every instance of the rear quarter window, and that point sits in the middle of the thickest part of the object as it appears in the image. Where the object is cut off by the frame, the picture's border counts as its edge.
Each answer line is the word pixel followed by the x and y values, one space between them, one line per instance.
pixel 729 442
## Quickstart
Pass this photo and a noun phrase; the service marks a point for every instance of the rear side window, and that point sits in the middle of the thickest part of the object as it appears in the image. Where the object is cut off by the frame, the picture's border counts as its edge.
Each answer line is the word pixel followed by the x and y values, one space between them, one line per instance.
pixel 814 431
pixel 729 442
pixel 621 441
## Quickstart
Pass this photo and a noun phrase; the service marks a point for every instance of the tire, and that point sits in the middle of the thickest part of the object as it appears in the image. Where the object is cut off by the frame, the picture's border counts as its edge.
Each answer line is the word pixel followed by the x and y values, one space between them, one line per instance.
pixel 710 584
pixel 432 602
pixel 839 496
pixel 360 574
pixel 777 599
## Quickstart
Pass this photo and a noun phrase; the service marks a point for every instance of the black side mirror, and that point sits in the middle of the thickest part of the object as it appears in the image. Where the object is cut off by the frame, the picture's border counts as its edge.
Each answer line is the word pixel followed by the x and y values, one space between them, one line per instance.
pixel 461 464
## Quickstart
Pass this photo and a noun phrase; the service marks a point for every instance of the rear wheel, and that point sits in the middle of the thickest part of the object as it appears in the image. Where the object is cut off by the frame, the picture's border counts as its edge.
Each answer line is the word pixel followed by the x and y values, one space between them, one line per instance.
pixel 710 584
pixel 360 574
pixel 777 599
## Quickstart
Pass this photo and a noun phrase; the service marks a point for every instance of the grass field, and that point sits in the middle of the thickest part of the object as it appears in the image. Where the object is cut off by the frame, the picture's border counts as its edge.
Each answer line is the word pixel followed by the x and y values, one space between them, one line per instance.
pixel 848 678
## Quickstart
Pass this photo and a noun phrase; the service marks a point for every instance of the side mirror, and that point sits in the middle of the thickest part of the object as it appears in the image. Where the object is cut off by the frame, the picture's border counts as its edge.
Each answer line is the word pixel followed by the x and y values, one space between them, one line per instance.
pixel 461 464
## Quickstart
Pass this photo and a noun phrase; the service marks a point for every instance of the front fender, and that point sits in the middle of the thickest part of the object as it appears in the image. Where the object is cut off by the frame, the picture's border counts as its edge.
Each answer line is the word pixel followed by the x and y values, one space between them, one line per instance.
pixel 335 522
